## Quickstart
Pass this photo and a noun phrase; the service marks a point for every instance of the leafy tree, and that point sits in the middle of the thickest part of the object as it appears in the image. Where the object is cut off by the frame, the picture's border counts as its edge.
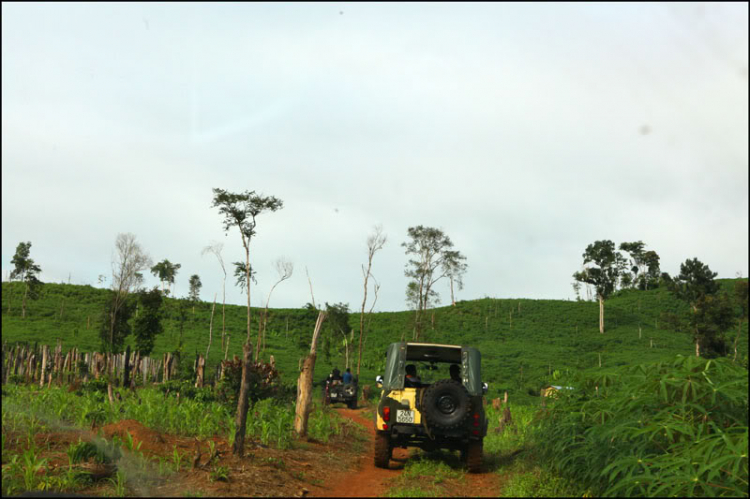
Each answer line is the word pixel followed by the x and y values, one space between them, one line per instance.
pixel 643 270
pixel 635 250
pixel 653 271
pixel 711 317
pixel 432 248
pixel 195 289
pixel 25 270
pixel 241 210
pixel 454 268
pixel 605 275
pixel 148 323
pixel 115 325
pixel 129 261
pixel 166 272
pixel 694 283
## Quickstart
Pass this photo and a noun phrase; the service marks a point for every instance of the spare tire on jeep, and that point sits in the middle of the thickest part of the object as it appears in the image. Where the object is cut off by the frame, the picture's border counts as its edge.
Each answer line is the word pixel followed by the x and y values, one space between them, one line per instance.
pixel 446 404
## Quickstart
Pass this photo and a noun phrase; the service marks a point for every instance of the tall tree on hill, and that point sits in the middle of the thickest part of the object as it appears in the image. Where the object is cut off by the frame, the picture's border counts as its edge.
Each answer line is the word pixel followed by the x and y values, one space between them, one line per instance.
pixel 284 269
pixel 216 250
pixel 195 289
pixel 429 247
pixel 604 274
pixel 25 270
pixel 147 325
pixel 630 277
pixel 129 260
pixel 166 272
pixel 454 268
pixel 375 242
pixel 692 285
pixel 644 268
pixel 241 210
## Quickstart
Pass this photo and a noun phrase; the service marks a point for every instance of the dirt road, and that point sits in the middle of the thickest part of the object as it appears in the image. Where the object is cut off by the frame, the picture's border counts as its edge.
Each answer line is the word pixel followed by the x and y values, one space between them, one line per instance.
pixel 369 481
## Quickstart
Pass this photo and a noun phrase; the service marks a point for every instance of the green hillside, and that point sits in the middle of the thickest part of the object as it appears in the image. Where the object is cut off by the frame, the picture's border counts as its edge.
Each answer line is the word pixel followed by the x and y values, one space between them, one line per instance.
pixel 522 341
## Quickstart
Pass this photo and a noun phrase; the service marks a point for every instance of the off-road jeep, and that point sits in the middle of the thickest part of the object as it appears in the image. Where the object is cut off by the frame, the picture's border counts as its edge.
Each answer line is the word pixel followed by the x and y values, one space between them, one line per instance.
pixel 344 393
pixel 437 412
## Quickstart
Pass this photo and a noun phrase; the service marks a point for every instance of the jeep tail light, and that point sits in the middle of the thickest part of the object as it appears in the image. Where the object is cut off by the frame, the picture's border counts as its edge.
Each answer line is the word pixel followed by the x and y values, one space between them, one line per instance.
pixel 476 419
pixel 386 413
pixel 385 426
pixel 475 433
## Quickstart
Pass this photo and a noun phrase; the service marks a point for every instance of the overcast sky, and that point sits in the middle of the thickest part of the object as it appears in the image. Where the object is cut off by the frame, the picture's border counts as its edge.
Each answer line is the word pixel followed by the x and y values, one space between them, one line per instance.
pixel 524 131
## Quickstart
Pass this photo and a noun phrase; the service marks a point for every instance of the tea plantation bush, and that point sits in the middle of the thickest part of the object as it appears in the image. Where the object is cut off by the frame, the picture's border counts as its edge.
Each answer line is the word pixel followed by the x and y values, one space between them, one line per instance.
pixel 676 428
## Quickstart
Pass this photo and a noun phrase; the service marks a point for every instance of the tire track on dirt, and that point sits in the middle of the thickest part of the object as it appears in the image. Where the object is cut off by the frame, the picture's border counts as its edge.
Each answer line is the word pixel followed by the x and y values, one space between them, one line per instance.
pixel 367 480
pixel 370 481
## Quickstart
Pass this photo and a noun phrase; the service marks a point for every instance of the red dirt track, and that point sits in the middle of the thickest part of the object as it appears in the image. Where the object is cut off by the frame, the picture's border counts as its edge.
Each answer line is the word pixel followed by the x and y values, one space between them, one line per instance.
pixel 369 481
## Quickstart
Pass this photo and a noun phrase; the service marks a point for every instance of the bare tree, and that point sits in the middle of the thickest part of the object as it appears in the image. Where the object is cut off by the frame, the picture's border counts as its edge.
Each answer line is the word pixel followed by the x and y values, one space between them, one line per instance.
pixel 216 250
pixel 304 383
pixel 128 262
pixel 211 327
pixel 375 289
pixel 284 269
pixel 375 242
pixel 312 295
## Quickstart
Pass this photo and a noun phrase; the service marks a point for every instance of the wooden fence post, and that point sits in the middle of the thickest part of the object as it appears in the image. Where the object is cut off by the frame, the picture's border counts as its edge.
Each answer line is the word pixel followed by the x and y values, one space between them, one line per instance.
pixel 45 355
pixel 125 367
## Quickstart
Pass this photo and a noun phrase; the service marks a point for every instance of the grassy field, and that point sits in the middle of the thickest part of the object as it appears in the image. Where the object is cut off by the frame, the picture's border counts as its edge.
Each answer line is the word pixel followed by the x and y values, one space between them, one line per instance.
pixel 522 341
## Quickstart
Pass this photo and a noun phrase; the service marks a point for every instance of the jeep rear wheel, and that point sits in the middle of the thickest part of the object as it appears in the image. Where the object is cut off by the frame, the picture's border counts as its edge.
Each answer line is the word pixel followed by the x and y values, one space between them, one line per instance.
pixel 473 456
pixel 382 450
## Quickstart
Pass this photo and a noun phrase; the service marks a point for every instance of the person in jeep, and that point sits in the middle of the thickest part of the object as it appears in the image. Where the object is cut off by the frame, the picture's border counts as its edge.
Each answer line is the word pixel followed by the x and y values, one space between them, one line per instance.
pixel 455 371
pixel 412 379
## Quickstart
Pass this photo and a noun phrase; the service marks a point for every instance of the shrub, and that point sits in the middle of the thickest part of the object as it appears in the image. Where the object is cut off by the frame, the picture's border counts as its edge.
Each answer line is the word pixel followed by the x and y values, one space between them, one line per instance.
pixel 670 428
pixel 265 382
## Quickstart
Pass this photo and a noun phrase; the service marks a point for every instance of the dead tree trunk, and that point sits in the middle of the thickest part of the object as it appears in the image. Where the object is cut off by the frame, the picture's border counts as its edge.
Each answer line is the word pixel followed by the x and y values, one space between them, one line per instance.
pixel 200 370
pixel 126 368
pixel 244 401
pixel 211 328
pixel 304 384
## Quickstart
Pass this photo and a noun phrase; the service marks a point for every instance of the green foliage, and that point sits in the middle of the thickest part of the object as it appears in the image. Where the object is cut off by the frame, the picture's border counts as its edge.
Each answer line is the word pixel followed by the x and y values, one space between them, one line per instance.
pixel 264 381
pixel 676 428
pixel 165 271
pixel 147 325
pixel 195 288
pixel 113 336
pixel 695 280
pixel 544 335
pixel 433 260
pixel 609 265
pixel 24 268
pixel 219 474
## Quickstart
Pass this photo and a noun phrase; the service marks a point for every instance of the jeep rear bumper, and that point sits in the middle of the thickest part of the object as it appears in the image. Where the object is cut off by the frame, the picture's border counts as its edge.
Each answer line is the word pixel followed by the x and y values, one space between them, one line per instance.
pixel 403 435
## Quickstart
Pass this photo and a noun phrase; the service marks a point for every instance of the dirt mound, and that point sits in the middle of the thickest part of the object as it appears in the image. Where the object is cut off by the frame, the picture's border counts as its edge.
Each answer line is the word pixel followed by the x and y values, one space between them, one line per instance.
pixel 149 439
